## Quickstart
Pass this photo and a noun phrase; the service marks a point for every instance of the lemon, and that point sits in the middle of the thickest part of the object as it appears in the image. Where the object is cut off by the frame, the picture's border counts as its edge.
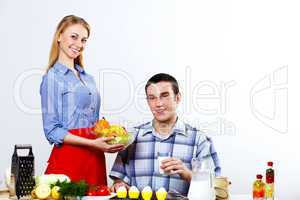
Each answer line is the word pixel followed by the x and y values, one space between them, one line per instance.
pixel 33 195
pixel 43 191
pixel 55 192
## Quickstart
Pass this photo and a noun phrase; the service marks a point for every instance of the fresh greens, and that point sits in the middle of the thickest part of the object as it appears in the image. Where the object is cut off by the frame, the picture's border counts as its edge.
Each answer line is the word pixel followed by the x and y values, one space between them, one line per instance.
pixel 71 189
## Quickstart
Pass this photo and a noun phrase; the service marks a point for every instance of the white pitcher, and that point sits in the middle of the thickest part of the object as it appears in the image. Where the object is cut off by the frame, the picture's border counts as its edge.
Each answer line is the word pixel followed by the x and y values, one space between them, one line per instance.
pixel 201 187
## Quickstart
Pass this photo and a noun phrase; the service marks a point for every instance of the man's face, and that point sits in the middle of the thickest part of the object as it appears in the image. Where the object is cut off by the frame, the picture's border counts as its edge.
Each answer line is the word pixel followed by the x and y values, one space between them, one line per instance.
pixel 162 101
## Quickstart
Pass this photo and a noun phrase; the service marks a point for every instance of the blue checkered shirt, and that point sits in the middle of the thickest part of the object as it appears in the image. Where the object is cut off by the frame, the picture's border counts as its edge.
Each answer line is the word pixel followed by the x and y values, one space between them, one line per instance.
pixel 138 164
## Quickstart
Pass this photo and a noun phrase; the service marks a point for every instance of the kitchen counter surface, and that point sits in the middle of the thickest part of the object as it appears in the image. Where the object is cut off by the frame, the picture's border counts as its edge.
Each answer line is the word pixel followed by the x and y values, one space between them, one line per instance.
pixel 5 196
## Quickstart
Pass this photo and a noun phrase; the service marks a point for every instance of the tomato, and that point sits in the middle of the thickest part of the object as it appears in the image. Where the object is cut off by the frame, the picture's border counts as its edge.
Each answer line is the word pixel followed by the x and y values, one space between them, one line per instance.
pixel 103 191
pixel 91 193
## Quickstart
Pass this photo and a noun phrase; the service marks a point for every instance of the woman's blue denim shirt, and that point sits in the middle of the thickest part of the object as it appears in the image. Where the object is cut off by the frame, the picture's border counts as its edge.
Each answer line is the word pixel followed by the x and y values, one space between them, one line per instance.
pixel 67 101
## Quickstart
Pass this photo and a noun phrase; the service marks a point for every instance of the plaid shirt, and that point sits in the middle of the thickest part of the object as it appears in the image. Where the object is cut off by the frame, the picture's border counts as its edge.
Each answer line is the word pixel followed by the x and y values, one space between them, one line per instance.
pixel 138 164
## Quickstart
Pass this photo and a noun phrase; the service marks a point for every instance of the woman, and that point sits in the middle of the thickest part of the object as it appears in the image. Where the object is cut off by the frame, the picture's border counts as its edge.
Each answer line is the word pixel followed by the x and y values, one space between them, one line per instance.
pixel 70 106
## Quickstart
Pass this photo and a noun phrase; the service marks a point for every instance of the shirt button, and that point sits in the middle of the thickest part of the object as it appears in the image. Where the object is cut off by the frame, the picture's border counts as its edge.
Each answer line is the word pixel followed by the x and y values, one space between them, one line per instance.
pixel 90 93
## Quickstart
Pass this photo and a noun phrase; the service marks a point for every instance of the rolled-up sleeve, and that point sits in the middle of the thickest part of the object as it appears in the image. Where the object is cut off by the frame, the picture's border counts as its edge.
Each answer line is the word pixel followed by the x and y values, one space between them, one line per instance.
pixel 118 170
pixel 51 100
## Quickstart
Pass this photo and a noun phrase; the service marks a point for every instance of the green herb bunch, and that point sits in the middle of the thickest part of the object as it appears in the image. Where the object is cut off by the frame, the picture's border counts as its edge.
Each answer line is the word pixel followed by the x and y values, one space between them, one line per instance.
pixel 71 189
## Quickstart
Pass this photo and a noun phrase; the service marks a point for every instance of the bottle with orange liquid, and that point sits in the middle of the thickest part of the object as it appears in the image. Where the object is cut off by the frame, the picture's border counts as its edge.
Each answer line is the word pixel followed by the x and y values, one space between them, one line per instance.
pixel 258 188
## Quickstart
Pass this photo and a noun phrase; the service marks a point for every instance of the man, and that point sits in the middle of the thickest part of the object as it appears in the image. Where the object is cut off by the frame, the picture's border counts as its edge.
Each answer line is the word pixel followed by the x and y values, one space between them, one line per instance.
pixel 138 165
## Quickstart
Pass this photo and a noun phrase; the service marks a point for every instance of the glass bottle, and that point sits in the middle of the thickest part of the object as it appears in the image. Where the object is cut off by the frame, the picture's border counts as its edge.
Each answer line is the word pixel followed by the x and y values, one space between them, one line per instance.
pixel 269 188
pixel 258 188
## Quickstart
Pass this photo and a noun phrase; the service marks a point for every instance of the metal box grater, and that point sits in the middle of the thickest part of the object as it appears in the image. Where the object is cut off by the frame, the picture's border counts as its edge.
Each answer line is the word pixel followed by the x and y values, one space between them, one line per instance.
pixel 22 171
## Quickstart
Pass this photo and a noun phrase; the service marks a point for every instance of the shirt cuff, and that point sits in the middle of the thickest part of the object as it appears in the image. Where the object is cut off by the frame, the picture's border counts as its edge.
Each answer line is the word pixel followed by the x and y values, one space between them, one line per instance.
pixel 117 175
pixel 57 136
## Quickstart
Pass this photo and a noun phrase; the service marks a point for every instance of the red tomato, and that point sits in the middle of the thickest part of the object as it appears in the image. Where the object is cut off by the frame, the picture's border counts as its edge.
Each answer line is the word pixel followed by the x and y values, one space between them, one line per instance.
pixel 92 191
pixel 103 191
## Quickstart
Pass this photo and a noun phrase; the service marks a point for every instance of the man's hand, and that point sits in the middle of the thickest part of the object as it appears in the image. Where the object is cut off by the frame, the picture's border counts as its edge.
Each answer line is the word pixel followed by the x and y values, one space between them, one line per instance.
pixel 118 183
pixel 176 166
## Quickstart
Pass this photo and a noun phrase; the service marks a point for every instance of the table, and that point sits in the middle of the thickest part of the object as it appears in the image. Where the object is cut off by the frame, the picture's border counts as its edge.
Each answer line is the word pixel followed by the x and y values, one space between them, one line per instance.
pixel 5 196
pixel 240 197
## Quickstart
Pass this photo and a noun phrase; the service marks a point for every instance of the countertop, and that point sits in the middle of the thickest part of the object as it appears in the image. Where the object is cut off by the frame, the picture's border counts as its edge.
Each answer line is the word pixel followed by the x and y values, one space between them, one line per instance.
pixel 5 196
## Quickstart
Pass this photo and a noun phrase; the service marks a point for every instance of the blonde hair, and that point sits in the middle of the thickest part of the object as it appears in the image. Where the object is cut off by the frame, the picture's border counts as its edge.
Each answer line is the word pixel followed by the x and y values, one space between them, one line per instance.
pixel 63 24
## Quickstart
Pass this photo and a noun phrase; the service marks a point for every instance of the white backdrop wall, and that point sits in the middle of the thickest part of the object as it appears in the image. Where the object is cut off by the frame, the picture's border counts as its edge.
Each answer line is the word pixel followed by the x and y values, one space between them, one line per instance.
pixel 236 62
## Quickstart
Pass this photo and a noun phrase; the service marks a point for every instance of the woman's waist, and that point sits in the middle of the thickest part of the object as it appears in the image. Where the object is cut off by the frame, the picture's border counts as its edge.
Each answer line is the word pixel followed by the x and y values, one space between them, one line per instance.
pixel 79 122
pixel 86 132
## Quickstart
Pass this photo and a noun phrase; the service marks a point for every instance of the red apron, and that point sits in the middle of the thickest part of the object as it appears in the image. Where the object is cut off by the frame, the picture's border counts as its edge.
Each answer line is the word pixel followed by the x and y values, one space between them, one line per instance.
pixel 78 162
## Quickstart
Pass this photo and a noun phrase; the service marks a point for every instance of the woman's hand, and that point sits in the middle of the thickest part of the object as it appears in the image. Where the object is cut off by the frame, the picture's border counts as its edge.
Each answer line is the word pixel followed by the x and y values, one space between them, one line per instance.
pixel 176 166
pixel 101 144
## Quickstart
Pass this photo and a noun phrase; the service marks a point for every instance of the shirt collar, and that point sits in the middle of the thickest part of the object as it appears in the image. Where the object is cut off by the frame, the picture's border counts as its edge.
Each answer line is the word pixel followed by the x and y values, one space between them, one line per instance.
pixel 64 69
pixel 179 128
pixel 79 68
pixel 146 128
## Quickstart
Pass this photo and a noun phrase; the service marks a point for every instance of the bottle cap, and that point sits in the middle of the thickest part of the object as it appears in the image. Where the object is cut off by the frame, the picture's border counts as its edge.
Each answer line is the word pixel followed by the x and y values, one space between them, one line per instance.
pixel 270 163
pixel 259 176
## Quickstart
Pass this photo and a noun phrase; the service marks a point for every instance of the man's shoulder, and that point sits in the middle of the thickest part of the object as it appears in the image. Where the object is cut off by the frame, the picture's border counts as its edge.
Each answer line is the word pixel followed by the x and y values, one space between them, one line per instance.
pixel 143 128
pixel 144 125
pixel 181 126
pixel 185 126
pixel 194 130
pixel 190 127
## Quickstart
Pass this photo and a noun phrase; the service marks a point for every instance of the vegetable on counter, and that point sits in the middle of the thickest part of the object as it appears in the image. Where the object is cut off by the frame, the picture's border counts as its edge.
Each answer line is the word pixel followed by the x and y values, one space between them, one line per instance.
pixel 57 186
pixel 51 179
pixel 72 189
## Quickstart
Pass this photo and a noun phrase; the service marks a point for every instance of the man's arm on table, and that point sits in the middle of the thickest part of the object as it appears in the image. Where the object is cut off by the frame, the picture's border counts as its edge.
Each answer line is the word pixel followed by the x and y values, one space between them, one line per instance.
pixel 118 171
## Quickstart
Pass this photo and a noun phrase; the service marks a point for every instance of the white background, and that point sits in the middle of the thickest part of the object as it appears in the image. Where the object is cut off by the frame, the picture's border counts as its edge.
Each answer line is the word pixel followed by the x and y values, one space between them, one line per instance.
pixel 236 61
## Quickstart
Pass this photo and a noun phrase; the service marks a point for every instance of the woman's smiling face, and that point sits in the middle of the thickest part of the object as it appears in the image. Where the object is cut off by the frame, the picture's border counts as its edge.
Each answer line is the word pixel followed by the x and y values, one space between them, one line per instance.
pixel 72 41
